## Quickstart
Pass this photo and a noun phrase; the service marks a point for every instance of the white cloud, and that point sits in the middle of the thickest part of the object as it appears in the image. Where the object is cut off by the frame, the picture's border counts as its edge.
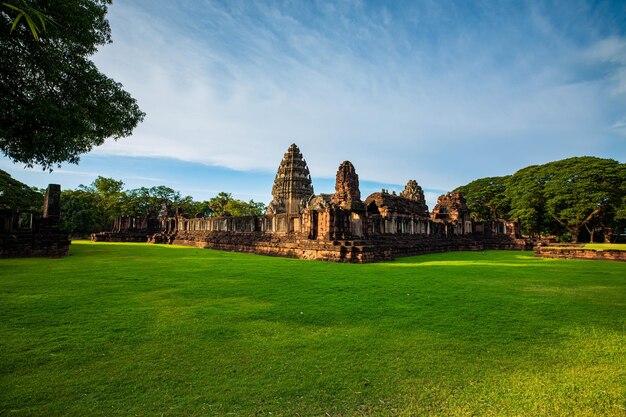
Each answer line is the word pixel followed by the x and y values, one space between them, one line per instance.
pixel 350 90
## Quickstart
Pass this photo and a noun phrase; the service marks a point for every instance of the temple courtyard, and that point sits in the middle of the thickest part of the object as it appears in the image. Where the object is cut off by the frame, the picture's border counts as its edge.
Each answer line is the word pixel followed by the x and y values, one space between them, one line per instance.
pixel 139 330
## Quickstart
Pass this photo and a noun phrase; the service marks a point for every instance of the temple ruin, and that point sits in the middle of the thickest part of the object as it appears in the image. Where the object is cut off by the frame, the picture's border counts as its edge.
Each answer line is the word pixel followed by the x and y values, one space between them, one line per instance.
pixel 333 227
pixel 24 233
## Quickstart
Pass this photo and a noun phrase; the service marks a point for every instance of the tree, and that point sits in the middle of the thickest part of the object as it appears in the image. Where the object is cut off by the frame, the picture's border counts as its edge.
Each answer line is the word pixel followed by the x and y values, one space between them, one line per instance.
pixel 486 198
pixel 524 190
pixel 54 103
pixel 581 190
pixel 564 196
pixel 15 195
pixel 223 204
pixel 241 208
pixel 218 203
pixel 80 212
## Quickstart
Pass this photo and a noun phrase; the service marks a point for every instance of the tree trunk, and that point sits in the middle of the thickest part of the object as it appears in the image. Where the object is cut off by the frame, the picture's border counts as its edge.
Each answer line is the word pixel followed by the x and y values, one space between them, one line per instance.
pixel 607 232
pixel 574 231
pixel 591 231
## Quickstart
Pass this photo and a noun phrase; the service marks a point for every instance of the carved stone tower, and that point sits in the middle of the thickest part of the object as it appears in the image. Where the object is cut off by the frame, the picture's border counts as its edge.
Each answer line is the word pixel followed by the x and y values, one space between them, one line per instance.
pixel 412 191
pixel 347 193
pixel 292 185
pixel 450 207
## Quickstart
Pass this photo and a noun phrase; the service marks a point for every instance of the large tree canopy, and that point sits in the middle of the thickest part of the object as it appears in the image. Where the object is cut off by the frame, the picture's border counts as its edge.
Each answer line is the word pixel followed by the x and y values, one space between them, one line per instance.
pixel 485 198
pixel 560 197
pixel 15 195
pixel 54 103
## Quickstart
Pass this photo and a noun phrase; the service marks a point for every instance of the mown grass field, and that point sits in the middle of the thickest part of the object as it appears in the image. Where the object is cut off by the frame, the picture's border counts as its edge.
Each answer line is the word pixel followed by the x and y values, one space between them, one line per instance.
pixel 606 246
pixel 141 330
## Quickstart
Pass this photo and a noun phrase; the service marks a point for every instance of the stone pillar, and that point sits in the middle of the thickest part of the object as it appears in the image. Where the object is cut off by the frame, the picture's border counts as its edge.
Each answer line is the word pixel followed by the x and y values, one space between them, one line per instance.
pixel 52 204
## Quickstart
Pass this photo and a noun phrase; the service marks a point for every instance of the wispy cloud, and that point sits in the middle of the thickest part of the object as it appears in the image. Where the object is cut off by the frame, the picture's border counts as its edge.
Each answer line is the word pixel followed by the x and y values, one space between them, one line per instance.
pixel 440 92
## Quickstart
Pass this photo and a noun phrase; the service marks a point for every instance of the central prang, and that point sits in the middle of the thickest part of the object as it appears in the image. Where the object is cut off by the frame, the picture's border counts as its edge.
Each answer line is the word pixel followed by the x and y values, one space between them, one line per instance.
pixel 292 185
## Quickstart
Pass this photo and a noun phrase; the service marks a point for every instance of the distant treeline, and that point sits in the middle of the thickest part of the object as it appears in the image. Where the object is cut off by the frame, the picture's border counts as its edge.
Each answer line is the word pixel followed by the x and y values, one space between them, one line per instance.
pixel 93 208
pixel 582 198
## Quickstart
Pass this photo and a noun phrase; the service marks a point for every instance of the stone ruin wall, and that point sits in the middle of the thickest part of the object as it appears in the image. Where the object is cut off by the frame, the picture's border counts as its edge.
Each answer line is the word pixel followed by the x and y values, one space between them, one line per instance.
pixel 336 227
pixel 30 234
pixel 568 252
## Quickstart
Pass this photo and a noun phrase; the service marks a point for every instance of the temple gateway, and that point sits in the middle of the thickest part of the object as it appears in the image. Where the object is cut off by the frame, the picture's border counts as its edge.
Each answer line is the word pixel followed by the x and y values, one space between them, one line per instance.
pixel 333 227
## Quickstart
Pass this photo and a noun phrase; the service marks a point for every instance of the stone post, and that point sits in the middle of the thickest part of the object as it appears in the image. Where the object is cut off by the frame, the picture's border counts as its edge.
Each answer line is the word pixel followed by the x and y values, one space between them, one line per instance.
pixel 52 204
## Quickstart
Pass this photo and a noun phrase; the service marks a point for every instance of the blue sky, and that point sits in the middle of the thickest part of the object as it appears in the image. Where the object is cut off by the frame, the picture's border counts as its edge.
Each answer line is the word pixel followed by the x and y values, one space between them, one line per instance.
pixel 437 91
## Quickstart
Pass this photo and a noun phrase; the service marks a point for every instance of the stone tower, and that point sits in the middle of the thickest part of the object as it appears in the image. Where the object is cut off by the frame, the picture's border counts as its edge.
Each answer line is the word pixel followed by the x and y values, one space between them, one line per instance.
pixel 412 191
pixel 347 193
pixel 450 207
pixel 292 185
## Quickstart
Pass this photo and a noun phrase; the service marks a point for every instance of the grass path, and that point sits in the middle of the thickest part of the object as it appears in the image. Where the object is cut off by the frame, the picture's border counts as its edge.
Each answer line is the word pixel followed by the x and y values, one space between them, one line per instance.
pixel 134 329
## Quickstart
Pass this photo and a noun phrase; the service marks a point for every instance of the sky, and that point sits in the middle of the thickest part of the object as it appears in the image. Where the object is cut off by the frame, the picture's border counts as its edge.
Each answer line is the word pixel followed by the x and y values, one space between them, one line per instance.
pixel 443 92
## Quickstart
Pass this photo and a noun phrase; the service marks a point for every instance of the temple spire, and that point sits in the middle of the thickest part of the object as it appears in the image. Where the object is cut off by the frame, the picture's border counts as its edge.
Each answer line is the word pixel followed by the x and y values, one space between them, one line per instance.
pixel 292 185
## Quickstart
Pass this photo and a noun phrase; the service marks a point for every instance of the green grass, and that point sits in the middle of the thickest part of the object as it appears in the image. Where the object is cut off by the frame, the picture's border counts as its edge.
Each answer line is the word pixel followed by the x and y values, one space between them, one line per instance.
pixel 145 330
pixel 595 246
pixel 606 246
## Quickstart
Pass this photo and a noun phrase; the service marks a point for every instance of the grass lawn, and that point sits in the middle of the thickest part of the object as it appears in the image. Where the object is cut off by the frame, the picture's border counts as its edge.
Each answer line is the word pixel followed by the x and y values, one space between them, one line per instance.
pixel 606 246
pixel 146 330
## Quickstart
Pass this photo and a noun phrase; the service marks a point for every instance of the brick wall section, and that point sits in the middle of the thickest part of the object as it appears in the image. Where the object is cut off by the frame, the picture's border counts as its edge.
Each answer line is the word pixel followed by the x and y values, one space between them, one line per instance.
pixel 580 253
pixel 351 251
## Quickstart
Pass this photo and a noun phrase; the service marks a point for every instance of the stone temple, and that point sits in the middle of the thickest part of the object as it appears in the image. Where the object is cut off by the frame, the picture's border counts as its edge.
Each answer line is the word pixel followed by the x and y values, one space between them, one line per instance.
pixel 334 227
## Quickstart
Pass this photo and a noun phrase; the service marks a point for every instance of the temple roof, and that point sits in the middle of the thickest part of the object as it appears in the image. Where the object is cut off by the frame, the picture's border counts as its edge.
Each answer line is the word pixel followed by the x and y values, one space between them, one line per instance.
pixel 394 204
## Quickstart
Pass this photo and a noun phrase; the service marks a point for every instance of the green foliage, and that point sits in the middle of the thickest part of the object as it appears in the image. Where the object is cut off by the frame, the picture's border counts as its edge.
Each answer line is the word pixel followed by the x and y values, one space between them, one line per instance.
pixel 149 201
pixel 525 193
pixel 33 18
pixel 15 195
pixel 217 204
pixel 565 195
pixel 81 212
pixel 241 208
pixel 580 189
pixel 486 199
pixel 91 208
pixel 136 329
pixel 94 208
pixel 54 103
pixel 556 198
pixel 223 204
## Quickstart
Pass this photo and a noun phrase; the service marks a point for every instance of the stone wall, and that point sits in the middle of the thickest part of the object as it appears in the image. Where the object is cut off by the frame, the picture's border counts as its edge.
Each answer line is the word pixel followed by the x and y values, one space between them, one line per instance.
pixel 579 253
pixel 29 234
pixel 353 251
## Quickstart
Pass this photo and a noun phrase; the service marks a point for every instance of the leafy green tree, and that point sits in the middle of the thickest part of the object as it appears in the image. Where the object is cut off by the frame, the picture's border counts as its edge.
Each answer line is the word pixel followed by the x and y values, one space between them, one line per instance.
pixel 581 189
pixel 81 213
pixel 486 198
pixel 223 204
pixel 109 196
pixel 241 208
pixel 200 208
pixel 218 203
pixel 187 207
pixel 54 103
pixel 564 196
pixel 15 195
pixel 524 191
pixel 149 201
